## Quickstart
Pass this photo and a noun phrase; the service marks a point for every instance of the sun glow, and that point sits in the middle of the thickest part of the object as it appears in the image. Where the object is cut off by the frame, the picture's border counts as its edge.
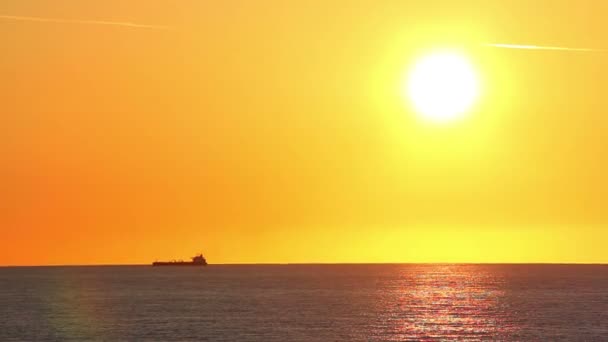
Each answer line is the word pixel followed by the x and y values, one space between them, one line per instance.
pixel 442 86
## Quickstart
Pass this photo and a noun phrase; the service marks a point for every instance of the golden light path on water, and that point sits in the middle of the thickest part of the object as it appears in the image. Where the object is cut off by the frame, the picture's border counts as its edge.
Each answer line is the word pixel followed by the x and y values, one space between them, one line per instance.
pixel 431 302
pixel 71 310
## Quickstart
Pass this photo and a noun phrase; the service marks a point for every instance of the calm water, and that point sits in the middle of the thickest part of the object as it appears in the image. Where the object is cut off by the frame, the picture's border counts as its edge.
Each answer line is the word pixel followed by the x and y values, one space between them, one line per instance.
pixel 305 303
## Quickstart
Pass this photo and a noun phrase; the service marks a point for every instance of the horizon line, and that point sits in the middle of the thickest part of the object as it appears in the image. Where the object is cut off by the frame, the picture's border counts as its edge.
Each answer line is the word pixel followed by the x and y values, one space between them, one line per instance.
pixel 322 263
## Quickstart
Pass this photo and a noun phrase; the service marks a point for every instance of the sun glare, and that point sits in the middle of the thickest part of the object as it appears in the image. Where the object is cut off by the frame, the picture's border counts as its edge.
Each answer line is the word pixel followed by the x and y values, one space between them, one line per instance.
pixel 442 86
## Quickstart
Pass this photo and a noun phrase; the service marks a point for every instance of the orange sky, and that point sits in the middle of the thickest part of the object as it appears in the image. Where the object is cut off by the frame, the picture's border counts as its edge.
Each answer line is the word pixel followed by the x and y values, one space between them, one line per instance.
pixel 275 131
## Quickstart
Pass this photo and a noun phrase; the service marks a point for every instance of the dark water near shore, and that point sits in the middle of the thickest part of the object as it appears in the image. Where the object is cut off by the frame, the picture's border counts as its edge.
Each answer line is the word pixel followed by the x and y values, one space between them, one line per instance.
pixel 305 303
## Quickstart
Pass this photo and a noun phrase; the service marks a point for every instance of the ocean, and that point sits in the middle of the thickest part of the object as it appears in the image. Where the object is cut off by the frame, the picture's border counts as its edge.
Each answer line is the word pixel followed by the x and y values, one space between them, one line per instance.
pixel 397 302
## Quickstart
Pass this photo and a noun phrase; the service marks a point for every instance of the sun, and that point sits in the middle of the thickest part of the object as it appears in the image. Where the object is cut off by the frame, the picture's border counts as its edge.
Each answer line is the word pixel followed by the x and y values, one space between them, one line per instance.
pixel 442 87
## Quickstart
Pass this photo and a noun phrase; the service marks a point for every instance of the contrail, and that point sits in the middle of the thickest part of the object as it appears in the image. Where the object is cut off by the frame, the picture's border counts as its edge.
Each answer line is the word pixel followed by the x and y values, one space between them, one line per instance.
pixel 84 22
pixel 540 47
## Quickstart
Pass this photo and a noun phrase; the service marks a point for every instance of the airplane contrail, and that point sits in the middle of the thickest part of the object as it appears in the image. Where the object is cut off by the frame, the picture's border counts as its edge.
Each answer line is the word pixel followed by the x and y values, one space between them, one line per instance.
pixel 541 47
pixel 85 22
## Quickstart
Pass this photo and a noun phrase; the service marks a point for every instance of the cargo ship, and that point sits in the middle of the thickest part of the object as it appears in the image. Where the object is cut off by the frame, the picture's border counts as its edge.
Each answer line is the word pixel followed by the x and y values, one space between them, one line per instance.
pixel 197 260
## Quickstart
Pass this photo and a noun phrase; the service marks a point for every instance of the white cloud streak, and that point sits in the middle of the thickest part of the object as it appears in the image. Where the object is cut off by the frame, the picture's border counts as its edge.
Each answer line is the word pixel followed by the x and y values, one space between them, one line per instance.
pixel 541 47
pixel 82 22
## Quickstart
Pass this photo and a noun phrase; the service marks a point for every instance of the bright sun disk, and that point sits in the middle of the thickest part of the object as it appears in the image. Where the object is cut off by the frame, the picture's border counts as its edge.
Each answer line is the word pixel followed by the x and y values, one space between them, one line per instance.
pixel 442 86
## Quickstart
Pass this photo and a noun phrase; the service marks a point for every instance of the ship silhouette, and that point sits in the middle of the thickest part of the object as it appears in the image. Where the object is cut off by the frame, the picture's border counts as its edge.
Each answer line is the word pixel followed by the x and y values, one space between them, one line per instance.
pixel 197 260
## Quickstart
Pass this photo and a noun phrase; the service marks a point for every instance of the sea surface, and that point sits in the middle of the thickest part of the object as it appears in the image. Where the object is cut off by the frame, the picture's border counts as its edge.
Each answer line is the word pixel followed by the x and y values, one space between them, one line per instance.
pixel 305 303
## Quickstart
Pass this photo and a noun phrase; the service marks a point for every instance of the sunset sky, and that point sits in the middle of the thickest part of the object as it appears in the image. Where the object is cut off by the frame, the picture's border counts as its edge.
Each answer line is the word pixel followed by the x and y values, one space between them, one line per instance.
pixel 278 131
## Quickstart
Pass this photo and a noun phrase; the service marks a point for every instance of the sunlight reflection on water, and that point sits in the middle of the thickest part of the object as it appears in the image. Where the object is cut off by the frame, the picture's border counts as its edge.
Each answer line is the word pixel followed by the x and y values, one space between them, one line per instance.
pixel 443 302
